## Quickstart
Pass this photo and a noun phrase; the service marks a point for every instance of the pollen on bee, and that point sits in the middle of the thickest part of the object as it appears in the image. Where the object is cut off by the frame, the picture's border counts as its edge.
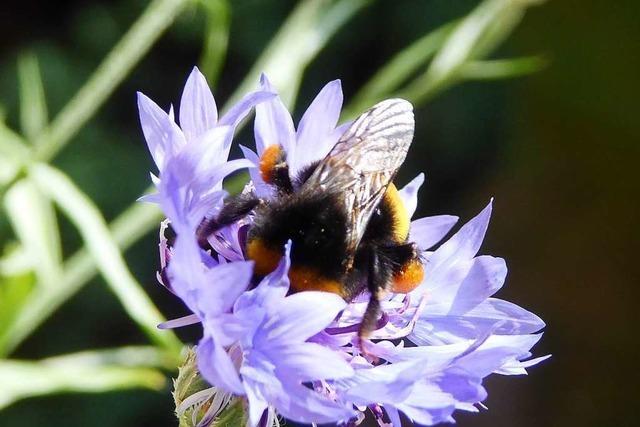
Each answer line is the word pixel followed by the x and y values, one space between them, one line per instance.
pixel 306 279
pixel 266 258
pixel 409 277
pixel 268 162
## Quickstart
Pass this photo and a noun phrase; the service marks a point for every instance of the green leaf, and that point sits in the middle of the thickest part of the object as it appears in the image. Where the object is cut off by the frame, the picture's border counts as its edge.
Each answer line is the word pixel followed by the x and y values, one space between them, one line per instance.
pixel 15 290
pixel 502 68
pixel 216 40
pixel 300 38
pixel 13 154
pixel 403 65
pixel 34 222
pixel 87 372
pixel 33 105
pixel 477 35
pixel 126 229
pixel 87 218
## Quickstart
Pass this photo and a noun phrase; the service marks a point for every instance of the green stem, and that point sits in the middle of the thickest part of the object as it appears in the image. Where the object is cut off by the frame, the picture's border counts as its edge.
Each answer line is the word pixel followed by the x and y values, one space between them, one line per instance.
pixel 109 74
pixel 131 225
pixel 89 221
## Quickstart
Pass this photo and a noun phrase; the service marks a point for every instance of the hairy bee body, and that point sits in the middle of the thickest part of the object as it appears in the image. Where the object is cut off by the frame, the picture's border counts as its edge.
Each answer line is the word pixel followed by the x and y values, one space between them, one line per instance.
pixel 317 226
pixel 344 216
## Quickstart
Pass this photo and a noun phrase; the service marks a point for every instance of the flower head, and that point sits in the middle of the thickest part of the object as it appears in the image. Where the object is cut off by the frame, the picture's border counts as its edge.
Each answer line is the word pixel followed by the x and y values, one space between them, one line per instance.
pixel 299 353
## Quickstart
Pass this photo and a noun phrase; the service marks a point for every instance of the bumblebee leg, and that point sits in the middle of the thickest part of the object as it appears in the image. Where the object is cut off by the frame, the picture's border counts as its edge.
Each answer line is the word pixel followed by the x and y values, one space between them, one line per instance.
pixel 378 283
pixel 234 209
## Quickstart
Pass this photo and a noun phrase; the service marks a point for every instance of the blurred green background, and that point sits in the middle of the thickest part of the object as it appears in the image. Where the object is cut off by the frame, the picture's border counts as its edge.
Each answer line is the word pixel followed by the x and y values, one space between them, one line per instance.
pixel 559 150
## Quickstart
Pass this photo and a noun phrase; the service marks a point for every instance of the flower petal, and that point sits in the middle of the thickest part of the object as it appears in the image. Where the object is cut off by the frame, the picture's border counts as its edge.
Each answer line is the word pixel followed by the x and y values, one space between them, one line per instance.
pixel 316 126
pixel 198 111
pixel 299 362
pixel 217 367
pixel 163 136
pixel 302 315
pixel 257 403
pixel 409 194
pixel 462 246
pixel 484 277
pixel 223 285
pixel 300 404
pixel 428 231
pixel 512 318
pixel 262 189
pixel 273 123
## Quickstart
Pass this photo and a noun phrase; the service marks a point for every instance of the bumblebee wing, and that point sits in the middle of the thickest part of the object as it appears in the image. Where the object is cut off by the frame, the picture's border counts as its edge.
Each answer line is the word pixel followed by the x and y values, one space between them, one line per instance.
pixel 364 161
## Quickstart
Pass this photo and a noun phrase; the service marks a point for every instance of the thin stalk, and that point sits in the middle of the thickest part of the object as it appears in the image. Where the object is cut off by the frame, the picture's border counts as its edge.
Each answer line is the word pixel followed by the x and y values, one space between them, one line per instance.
pixel 109 74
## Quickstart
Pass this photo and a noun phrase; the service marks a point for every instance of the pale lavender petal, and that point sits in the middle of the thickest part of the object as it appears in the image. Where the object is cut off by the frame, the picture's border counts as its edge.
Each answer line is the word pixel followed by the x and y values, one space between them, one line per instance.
pixel 497 351
pixel 483 276
pixel 217 367
pixel 428 231
pixel 300 404
pixel 271 289
pixel 191 319
pixel 513 318
pixel 163 136
pixel 257 403
pixel 302 315
pixel 185 271
pixel 154 198
pixel 300 362
pixel 409 194
pixel 317 125
pixel 198 111
pixel 517 367
pixel 261 188
pixel 224 284
pixel 227 169
pixel 394 416
pixel 240 110
pixel 273 123
pixel 462 246
pixel 339 131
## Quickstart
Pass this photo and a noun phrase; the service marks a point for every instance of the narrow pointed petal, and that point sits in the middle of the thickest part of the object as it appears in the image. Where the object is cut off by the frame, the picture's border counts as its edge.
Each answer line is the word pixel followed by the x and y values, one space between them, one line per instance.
pixel 302 315
pixel 217 367
pixel 163 136
pixel 257 404
pixel 317 125
pixel 512 318
pixel 223 285
pixel 198 111
pixel 303 405
pixel 409 194
pixel 428 231
pixel 394 416
pixel 463 245
pixel 300 362
pixel 273 123
pixel 191 319
pixel 456 296
pixel 240 110
pixel 262 189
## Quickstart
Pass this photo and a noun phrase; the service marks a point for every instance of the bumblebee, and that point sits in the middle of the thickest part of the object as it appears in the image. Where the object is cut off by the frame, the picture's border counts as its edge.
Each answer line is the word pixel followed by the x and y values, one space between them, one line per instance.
pixel 347 223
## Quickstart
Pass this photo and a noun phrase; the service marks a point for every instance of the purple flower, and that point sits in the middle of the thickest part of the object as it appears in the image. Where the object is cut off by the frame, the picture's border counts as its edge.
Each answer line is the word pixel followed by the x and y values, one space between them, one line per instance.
pixel 459 285
pixel 267 332
pixel 192 158
pixel 299 354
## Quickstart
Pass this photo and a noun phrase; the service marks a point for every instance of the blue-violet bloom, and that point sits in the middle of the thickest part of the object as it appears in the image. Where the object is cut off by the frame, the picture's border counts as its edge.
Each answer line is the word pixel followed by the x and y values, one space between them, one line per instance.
pixel 298 354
